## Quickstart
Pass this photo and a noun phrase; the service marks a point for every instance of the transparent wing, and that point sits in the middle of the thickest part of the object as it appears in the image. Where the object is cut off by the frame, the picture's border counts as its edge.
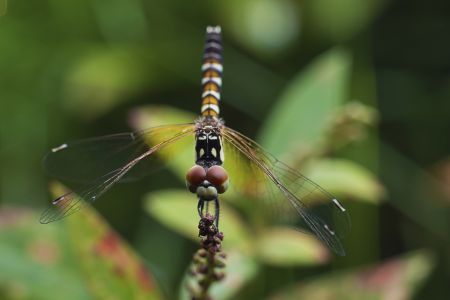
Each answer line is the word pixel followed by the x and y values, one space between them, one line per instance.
pixel 320 212
pixel 84 161
pixel 118 161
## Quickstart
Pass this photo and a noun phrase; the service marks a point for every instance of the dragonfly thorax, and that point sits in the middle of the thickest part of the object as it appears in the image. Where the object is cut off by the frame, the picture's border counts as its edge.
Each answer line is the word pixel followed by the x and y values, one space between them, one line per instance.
pixel 208 148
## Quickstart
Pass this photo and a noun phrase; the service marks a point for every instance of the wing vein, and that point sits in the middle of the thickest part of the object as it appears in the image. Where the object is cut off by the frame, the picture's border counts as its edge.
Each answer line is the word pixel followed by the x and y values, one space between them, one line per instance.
pixel 73 201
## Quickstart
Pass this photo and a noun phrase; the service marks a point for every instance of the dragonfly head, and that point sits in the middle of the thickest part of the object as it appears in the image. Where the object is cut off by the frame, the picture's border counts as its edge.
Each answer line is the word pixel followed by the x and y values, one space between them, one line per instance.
pixel 207 183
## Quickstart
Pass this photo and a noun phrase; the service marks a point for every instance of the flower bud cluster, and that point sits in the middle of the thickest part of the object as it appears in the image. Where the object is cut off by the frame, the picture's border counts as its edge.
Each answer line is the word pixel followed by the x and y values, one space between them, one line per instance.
pixel 208 261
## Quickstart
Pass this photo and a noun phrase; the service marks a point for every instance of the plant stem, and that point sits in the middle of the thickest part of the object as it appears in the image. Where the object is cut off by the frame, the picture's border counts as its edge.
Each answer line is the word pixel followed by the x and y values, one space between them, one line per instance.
pixel 208 260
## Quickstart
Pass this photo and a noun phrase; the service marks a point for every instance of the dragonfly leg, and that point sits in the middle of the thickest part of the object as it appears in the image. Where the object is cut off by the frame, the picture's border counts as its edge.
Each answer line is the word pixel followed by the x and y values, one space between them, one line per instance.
pixel 200 206
pixel 206 209
pixel 216 217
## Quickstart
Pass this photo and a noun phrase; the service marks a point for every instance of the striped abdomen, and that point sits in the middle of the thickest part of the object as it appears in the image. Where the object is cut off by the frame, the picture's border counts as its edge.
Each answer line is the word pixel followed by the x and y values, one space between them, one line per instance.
pixel 212 72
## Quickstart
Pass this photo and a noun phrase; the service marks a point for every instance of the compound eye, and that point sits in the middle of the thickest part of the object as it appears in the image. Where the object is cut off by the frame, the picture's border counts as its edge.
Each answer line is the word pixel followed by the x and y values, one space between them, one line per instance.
pixel 218 177
pixel 195 177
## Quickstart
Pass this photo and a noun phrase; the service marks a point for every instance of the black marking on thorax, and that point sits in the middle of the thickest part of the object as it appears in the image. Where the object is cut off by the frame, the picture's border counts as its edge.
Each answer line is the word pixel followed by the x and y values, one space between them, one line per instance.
pixel 208 148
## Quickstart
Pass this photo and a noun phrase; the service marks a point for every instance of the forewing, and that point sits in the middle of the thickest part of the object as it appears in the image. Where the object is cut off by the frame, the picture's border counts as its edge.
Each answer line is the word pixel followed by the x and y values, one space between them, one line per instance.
pixel 157 138
pixel 84 161
pixel 319 211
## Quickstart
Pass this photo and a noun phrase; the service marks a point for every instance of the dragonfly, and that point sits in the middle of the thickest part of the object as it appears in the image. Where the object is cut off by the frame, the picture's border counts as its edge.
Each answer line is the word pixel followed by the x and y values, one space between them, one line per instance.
pixel 99 163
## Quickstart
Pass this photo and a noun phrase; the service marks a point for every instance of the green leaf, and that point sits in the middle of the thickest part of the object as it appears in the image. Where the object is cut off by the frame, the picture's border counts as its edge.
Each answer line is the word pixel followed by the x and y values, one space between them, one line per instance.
pixel 178 211
pixel 401 277
pixel 265 27
pixel 345 179
pixel 301 114
pixel 148 116
pixel 110 267
pixel 288 247
pixel 79 257
pixel 36 261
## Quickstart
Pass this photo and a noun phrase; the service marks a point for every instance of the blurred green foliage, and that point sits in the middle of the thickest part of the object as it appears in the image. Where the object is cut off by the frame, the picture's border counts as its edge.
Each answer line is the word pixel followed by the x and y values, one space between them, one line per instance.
pixel 353 94
pixel 80 259
pixel 3 7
